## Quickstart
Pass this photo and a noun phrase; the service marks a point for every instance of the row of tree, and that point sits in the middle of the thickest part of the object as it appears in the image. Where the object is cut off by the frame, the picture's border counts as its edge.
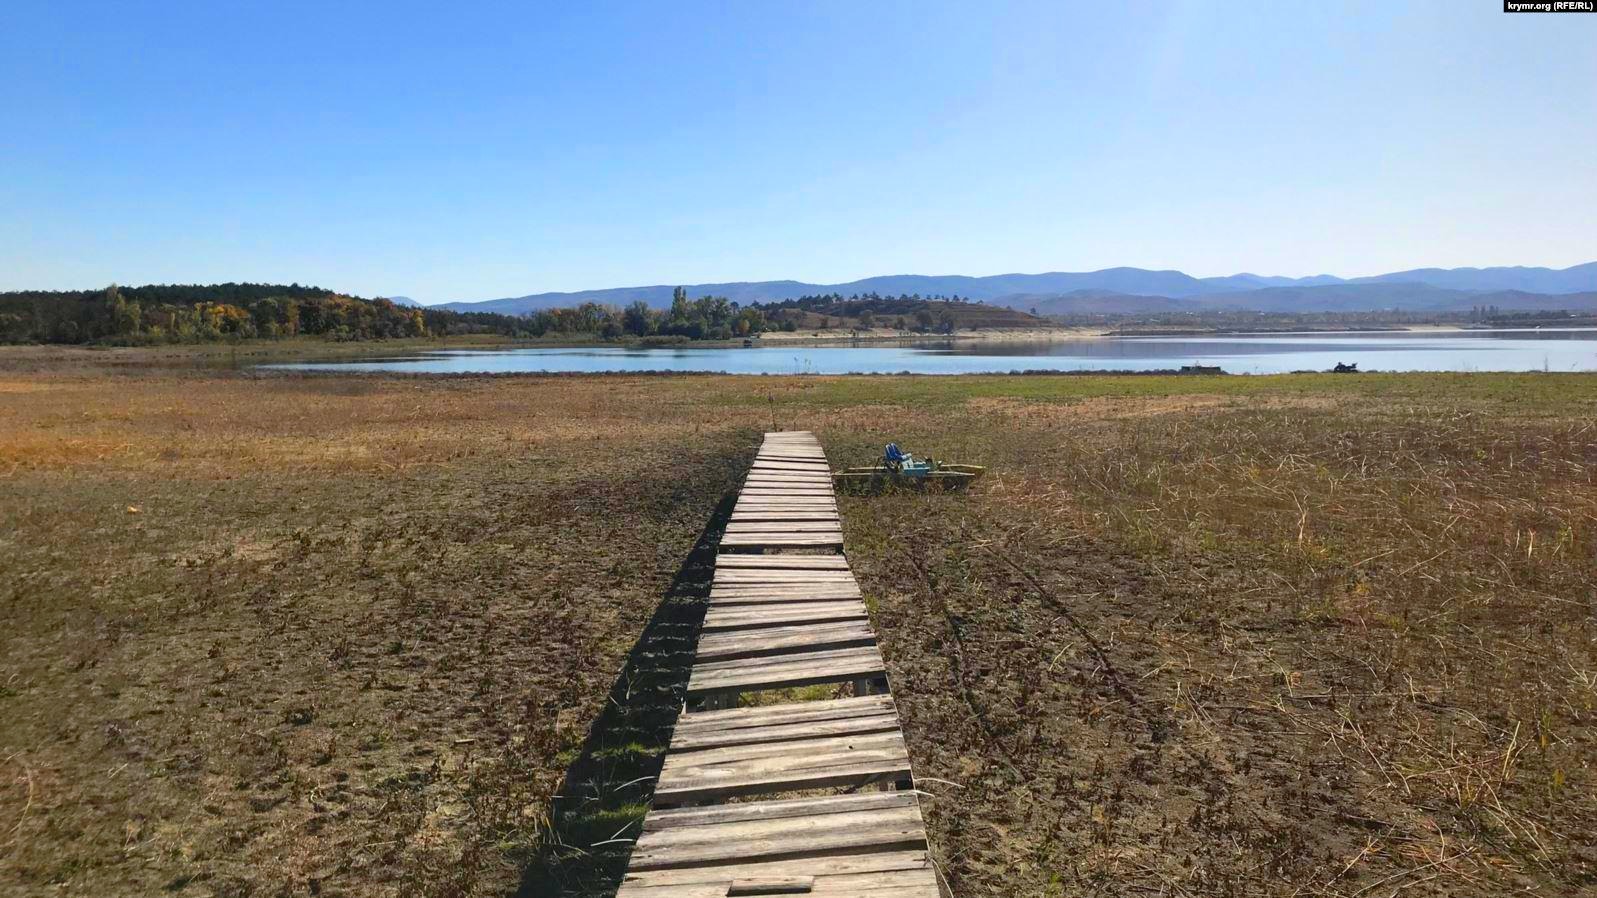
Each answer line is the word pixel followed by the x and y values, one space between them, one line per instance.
pixel 705 318
pixel 190 313
pixel 905 312
pixel 196 314
pixel 876 303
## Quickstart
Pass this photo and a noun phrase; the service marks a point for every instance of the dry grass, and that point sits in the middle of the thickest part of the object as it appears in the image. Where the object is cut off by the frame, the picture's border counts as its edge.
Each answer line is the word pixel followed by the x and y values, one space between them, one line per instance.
pixel 1302 635
pixel 302 633
pixel 1339 647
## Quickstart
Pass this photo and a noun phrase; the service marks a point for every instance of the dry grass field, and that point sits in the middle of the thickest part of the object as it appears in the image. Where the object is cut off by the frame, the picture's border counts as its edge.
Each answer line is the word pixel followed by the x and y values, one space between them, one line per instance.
pixel 1306 635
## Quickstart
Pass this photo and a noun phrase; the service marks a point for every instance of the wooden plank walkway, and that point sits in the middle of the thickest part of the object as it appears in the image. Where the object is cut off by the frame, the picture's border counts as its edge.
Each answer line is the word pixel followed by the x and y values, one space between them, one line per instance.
pixel 784 611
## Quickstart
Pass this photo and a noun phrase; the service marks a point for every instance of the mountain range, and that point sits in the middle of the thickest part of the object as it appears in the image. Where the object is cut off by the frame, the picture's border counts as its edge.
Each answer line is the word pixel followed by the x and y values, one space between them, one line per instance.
pixel 1135 290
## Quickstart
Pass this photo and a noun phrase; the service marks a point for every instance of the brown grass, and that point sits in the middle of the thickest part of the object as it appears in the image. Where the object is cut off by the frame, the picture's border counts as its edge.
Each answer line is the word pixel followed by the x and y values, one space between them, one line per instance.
pixel 1302 635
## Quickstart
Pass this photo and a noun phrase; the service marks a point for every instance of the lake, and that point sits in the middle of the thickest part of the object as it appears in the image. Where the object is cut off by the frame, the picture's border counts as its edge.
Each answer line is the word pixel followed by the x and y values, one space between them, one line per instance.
pixel 1494 350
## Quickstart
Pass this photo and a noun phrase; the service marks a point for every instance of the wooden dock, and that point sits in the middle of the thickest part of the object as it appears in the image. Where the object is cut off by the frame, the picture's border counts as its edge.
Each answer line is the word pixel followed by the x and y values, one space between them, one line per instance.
pixel 784 610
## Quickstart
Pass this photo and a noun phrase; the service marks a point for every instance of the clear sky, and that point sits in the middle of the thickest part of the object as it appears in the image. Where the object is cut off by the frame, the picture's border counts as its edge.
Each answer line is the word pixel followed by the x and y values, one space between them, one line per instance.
pixel 461 151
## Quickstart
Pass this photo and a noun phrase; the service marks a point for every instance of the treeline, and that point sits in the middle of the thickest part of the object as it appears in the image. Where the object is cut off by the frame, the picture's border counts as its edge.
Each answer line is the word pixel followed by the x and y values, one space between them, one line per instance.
pixel 191 314
pixel 905 312
pixel 183 313
pixel 705 318
pixel 854 304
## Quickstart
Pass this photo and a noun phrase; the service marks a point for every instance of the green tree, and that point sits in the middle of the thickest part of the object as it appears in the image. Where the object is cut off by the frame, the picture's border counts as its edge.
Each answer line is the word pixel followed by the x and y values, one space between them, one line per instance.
pixel 638 319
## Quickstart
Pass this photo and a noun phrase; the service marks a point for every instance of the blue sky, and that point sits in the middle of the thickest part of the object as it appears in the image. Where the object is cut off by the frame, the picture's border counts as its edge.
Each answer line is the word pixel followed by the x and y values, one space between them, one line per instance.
pixel 470 151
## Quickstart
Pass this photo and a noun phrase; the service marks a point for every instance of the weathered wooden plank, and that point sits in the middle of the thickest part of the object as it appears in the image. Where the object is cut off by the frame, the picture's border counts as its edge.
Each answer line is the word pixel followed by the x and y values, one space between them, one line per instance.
pixel 783 528
pixel 722 617
pixel 778 599
pixel 725 645
pixel 762 462
pixel 792 562
pixel 784 671
pixel 835 592
pixel 780 527
pixel 788 712
pixel 787 526
pixel 842 590
pixel 866 712
pixel 845 588
pixel 879 722
pixel 770 586
pixel 832 771
pixel 781 539
pixel 811 836
pixel 861 876
pixel 779 577
pixel 724 588
pixel 893 884
pixel 782 583
pixel 758 598
pixel 781 754
pixel 767 885
pixel 781 837
pixel 732 574
pixel 776 809
pixel 730 585
pixel 778 541
pixel 763 768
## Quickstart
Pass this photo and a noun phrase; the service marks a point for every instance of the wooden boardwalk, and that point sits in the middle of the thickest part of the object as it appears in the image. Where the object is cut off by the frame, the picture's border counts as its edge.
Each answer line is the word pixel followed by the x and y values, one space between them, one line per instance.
pixel 784 611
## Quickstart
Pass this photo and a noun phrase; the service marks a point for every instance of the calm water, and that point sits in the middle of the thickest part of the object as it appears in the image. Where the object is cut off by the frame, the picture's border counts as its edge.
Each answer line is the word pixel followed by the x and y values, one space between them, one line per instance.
pixel 1554 350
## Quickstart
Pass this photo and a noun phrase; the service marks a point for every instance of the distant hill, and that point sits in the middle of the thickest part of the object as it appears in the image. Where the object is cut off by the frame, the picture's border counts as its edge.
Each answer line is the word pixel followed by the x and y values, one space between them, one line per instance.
pixel 1579 278
pixel 1094 302
pixel 1361 297
pixel 407 301
pixel 1020 290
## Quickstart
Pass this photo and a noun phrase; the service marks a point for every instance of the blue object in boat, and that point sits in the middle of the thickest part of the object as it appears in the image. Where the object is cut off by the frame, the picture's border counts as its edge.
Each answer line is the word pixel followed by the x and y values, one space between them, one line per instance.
pixel 900 462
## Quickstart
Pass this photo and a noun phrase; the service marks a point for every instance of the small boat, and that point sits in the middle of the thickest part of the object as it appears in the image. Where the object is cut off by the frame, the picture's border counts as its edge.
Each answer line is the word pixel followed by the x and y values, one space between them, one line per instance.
pixel 898 469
